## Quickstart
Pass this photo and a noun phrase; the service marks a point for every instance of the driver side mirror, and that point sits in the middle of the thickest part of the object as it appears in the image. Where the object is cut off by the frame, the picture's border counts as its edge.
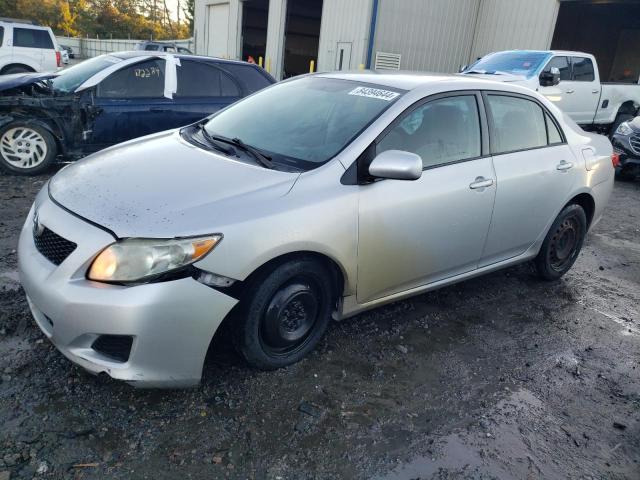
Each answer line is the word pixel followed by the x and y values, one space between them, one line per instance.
pixel 396 165
pixel 550 79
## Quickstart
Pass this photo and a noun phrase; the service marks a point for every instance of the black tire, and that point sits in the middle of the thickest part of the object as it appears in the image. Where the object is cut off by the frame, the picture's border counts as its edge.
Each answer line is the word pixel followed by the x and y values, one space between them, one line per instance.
pixel 16 69
pixel 621 117
pixel 627 173
pixel 43 153
pixel 286 314
pixel 562 244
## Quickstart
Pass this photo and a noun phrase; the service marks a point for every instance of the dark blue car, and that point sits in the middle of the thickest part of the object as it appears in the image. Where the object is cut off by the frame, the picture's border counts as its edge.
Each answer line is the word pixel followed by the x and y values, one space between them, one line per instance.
pixel 112 98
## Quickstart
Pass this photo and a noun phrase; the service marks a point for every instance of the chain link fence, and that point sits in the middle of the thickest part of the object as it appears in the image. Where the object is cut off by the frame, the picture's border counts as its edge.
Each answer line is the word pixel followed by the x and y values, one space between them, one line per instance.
pixel 92 47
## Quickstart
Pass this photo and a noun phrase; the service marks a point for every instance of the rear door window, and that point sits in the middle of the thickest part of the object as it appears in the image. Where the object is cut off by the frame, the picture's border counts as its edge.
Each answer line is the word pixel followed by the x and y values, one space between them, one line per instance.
pixel 1 35
pixel 200 79
pixel 251 78
pixel 553 134
pixel 562 64
pixel 518 124
pixel 583 69
pixel 31 38
pixel 140 80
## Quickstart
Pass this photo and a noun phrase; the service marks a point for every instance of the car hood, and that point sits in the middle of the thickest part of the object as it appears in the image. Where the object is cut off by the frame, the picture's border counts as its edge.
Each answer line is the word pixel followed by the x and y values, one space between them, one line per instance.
pixel 17 80
pixel 161 186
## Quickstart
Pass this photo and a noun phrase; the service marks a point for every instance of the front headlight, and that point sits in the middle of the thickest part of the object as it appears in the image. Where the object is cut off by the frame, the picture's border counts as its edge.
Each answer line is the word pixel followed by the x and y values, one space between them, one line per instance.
pixel 624 129
pixel 138 259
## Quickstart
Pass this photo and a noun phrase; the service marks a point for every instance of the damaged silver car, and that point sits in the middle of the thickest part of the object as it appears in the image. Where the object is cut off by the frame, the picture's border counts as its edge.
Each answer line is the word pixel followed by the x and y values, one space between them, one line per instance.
pixel 110 99
pixel 316 198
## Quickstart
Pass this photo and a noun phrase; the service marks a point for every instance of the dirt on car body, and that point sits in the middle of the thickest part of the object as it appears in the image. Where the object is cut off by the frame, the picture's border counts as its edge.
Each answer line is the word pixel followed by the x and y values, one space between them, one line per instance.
pixel 498 377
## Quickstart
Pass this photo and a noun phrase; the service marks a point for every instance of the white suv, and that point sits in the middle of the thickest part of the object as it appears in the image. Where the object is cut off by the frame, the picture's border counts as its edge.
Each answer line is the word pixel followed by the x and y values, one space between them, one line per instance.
pixel 27 48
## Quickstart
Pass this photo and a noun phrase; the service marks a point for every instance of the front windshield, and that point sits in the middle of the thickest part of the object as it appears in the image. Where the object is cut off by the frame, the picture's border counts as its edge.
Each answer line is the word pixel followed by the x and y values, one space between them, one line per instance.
pixel 72 77
pixel 517 63
pixel 304 122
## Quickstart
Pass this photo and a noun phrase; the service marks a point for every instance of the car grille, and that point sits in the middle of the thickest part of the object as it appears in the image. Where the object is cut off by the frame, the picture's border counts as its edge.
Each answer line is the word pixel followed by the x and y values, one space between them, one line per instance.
pixel 117 347
pixel 51 245
pixel 634 141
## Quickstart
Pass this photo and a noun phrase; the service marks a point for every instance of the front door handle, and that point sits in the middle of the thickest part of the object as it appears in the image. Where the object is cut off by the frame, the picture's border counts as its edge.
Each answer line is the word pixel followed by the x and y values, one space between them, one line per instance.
pixel 595 91
pixel 570 91
pixel 481 182
pixel 563 165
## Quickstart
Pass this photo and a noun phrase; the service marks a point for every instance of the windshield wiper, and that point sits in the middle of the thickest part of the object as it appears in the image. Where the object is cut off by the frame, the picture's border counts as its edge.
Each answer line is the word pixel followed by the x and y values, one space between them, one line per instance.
pixel 261 158
pixel 264 160
pixel 215 143
pixel 487 72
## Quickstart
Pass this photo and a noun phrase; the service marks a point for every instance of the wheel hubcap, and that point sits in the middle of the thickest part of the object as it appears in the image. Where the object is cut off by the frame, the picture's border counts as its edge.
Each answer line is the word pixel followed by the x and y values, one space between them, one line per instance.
pixel 564 243
pixel 290 317
pixel 23 147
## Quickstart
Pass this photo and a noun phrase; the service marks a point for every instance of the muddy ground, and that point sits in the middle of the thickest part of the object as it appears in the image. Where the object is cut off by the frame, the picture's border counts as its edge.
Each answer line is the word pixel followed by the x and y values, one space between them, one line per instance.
pixel 498 377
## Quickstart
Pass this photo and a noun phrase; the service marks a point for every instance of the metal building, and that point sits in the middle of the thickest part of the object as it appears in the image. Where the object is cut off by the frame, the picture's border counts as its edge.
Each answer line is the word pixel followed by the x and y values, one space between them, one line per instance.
pixel 290 37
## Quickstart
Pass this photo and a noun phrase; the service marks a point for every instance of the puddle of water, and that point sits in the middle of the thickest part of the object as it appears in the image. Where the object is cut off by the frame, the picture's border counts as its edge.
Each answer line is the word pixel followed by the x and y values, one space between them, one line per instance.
pixel 477 454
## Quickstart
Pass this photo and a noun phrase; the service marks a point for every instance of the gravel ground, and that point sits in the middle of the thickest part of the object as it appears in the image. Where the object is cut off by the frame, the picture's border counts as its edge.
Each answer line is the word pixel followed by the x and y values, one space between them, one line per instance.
pixel 498 377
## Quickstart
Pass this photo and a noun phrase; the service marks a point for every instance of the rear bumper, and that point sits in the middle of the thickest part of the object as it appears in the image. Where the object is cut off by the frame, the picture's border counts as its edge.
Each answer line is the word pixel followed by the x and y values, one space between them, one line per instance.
pixel 171 323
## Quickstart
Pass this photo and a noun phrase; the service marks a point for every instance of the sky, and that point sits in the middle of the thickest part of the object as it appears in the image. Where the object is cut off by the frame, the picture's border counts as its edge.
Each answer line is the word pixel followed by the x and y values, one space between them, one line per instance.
pixel 172 5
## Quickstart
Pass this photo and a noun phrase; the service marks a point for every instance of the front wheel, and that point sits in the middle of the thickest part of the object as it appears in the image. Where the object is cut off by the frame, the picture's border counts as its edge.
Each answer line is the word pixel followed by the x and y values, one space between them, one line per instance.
pixel 286 315
pixel 562 244
pixel 26 149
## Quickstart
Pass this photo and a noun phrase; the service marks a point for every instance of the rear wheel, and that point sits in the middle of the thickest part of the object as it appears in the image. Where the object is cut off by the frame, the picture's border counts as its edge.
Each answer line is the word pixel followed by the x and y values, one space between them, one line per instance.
pixel 286 315
pixel 562 244
pixel 26 149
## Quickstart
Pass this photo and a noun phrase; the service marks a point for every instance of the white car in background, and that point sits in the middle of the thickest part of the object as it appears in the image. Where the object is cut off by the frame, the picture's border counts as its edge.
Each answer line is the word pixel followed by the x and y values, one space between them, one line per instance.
pixel 27 48
pixel 571 80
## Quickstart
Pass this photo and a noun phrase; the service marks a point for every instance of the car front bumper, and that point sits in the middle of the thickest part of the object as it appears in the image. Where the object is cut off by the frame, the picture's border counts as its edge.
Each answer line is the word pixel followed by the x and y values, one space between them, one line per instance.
pixel 171 323
pixel 622 146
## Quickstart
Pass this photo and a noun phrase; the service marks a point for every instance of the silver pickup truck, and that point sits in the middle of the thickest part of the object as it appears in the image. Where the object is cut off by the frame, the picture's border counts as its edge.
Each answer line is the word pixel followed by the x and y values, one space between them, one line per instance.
pixel 569 79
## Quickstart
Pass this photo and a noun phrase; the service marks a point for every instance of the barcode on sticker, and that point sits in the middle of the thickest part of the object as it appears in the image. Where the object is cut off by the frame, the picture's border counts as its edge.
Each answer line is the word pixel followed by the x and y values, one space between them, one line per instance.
pixel 378 93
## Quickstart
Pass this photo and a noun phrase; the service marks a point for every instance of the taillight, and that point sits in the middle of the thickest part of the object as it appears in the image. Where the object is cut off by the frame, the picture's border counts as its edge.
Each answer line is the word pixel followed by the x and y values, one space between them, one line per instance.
pixel 58 58
pixel 615 159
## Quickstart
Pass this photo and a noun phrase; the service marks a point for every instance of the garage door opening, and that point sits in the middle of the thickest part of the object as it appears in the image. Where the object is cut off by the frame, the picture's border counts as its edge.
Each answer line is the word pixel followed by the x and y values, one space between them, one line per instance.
pixel 608 30
pixel 254 29
pixel 302 35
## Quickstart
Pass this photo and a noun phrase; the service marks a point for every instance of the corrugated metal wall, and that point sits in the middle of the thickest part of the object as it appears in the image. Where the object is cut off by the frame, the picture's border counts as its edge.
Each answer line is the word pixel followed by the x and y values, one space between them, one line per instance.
pixel 344 21
pixel 512 24
pixel 431 35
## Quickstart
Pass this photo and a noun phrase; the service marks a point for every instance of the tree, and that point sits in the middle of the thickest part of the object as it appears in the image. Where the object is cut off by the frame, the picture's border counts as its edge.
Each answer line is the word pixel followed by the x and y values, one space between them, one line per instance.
pixel 116 18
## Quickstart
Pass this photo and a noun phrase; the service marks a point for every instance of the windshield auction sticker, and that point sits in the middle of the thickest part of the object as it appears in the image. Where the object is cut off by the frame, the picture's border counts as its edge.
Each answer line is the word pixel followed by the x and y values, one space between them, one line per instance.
pixel 385 95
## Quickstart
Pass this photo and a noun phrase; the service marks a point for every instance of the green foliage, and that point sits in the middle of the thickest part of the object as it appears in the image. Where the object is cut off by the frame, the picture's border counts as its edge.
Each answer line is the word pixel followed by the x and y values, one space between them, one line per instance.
pixel 105 18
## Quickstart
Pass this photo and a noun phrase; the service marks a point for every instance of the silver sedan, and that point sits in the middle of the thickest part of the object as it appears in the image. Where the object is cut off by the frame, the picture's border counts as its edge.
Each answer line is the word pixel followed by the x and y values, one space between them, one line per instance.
pixel 317 198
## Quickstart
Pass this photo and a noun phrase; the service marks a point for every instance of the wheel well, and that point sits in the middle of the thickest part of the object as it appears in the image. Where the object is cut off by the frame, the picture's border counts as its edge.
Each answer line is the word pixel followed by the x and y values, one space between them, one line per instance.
pixel 588 205
pixel 22 65
pixel 627 107
pixel 224 333
pixel 329 263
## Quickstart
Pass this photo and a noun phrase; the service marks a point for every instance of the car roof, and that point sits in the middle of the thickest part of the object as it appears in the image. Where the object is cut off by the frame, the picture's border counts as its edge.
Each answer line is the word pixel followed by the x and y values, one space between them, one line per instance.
pixel 404 80
pixel 548 52
pixel 426 81
pixel 22 24
pixel 154 53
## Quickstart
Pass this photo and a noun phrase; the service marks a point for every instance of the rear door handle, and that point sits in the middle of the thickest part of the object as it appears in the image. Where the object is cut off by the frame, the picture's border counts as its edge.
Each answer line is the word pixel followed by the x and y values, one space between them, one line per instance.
pixel 481 182
pixel 570 91
pixel 157 109
pixel 595 91
pixel 563 165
